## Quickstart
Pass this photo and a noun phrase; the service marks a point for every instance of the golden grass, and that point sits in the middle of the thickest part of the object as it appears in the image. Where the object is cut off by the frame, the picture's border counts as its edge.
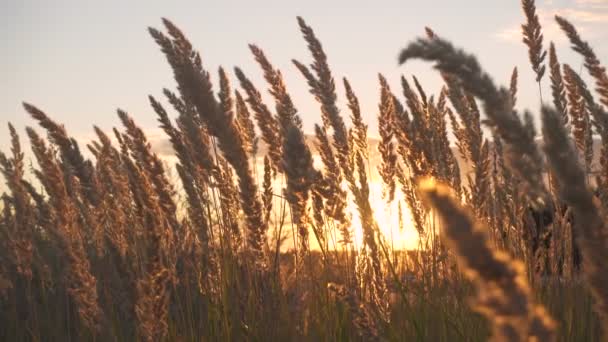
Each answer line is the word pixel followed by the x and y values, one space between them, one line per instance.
pixel 115 247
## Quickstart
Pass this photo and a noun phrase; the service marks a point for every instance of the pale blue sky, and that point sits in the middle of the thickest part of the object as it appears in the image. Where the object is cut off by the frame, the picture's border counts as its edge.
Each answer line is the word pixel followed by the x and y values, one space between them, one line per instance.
pixel 80 60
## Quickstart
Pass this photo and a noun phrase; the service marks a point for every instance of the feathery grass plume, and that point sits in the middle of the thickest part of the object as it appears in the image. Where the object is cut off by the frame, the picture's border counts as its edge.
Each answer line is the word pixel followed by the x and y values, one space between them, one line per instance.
pixel 412 100
pixel 187 170
pixel 19 234
pixel 228 202
pixel 269 127
pixel 533 38
pixel 522 153
pixel 245 124
pixel 196 211
pixel 412 133
pixel 195 86
pixel 557 84
pixel 6 283
pixel 599 117
pixel 370 276
pixel 423 157
pixel 458 97
pixel 360 128
pixel 602 179
pixel 178 139
pixel 287 114
pixel 115 195
pixel 330 187
pixel 267 195
pixel 420 90
pixel 113 215
pixel 591 222
pixel 86 199
pixel 413 202
pixel 471 143
pixel 388 165
pixel 504 295
pixel 152 166
pixel 580 116
pixel 366 214
pixel 498 222
pixel 70 152
pixel 506 191
pixel 225 95
pixel 361 318
pixel 592 63
pixel 152 303
pixel 195 134
pixel 449 171
pixel 404 134
pixel 442 153
pixel 322 86
pixel 6 277
pixel 152 293
pixel 79 281
pixel 481 189
pixel 409 133
pixel 222 172
pixel 600 121
pixel 319 219
pixel 301 175
pixel 597 111
pixel 513 87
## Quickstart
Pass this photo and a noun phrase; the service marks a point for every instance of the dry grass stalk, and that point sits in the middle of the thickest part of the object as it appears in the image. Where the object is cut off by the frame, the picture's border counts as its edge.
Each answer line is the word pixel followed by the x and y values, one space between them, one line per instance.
pixel 590 220
pixel 361 318
pixel 287 114
pixel 592 63
pixel 195 86
pixel 513 86
pixel 330 188
pixel 267 186
pixel 386 115
pixel 267 123
pixel 229 203
pixel 322 86
pixel 533 38
pixel 504 295
pixel 301 175
pixel 70 152
pixel 579 115
pixel 522 153
pixel 245 124
pixel 360 128
pixel 473 147
pixel 557 84
pixel 20 233
pixel 80 283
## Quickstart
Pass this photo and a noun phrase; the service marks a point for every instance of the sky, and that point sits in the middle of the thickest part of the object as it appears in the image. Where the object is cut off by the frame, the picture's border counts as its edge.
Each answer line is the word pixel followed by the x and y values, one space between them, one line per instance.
pixel 81 60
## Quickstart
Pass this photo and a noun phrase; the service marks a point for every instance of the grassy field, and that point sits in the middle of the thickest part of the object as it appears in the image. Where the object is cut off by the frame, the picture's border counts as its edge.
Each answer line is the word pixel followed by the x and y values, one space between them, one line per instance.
pixel 256 231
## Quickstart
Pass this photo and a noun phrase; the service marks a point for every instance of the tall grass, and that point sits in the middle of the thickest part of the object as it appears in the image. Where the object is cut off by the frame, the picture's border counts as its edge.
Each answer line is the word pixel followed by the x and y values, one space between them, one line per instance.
pixel 108 245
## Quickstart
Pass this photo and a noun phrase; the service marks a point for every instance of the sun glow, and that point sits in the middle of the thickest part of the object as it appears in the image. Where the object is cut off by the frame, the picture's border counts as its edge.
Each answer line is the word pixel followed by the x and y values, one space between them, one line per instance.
pixel 387 218
pixel 396 236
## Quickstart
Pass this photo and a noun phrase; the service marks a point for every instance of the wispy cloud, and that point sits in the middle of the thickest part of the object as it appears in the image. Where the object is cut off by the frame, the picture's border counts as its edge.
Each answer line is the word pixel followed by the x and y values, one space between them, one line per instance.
pixel 593 3
pixel 585 16
pixel 589 17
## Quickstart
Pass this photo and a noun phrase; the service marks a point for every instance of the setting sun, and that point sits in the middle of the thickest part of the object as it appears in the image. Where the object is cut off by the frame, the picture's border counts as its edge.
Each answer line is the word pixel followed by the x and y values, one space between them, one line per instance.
pixel 387 216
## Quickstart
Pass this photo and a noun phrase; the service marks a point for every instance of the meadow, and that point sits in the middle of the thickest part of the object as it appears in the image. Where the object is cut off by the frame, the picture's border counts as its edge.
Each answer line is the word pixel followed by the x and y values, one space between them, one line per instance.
pixel 462 221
